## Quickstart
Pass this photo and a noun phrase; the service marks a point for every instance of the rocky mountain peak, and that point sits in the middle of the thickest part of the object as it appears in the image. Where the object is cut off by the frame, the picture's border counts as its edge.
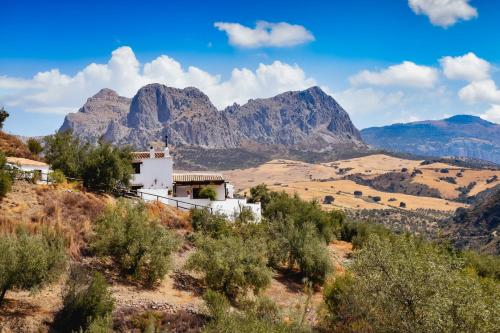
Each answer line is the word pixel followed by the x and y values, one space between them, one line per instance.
pixel 308 120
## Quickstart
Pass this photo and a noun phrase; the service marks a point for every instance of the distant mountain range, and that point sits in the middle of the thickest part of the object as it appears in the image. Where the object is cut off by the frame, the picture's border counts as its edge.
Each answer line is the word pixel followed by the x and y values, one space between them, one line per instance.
pixel 460 136
pixel 289 124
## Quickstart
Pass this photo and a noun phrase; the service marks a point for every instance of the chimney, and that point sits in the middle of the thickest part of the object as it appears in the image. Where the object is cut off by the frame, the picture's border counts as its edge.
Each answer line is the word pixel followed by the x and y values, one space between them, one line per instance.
pixel 151 152
pixel 167 153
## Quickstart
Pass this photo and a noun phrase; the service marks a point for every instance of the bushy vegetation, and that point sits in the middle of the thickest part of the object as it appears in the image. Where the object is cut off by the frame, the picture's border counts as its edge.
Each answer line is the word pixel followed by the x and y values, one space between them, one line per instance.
pixel 207 192
pixel 29 261
pixel 34 146
pixel 232 264
pixel 259 316
pixel 298 232
pixel 5 177
pixel 103 167
pixel 140 246
pixel 87 305
pixel 403 284
pixel 56 177
pixel 3 115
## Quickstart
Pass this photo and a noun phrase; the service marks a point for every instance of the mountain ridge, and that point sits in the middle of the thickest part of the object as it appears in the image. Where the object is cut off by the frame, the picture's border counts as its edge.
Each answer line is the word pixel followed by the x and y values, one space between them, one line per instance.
pixel 461 136
pixel 307 120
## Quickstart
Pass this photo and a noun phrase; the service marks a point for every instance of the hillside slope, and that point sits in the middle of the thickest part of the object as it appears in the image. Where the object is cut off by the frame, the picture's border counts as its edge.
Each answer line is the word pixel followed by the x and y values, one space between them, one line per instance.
pixel 478 227
pixel 462 136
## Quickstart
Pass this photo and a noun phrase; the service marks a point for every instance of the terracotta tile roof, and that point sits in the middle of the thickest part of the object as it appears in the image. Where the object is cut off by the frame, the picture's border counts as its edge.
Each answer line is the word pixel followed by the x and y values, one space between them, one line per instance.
pixel 197 177
pixel 141 155
pixel 25 161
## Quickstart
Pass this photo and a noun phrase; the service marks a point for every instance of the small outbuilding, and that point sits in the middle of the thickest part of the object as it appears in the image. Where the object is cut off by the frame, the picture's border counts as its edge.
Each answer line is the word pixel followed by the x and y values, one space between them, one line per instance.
pixel 28 165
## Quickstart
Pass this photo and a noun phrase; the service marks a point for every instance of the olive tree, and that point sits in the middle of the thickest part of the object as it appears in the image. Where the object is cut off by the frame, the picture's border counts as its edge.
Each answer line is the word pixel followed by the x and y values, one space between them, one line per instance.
pixel 404 284
pixel 231 264
pixel 141 246
pixel 29 261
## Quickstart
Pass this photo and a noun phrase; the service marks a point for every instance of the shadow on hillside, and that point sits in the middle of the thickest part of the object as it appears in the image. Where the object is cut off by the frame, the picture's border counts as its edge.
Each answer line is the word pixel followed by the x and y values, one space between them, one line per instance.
pixel 15 308
pixel 186 282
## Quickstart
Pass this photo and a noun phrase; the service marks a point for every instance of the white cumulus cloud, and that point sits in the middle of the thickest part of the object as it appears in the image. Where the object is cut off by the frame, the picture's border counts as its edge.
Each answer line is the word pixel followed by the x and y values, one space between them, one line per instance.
pixel 468 67
pixel 56 92
pixel 480 91
pixel 406 74
pixel 444 13
pixel 492 114
pixel 265 34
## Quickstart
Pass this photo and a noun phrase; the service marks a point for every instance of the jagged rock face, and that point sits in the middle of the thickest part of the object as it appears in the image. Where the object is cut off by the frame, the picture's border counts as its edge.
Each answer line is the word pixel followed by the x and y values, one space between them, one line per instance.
pixel 93 119
pixel 461 136
pixel 309 120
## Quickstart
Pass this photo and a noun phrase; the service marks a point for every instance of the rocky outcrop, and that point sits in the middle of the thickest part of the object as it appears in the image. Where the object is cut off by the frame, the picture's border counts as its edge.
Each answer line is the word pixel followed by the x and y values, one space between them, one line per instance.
pixel 93 119
pixel 307 120
pixel 461 136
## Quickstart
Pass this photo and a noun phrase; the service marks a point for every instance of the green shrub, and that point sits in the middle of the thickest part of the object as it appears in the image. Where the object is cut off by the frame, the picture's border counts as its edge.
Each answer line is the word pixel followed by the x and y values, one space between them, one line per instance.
pixel 103 167
pixel 231 264
pixel 29 261
pixel 3 159
pixel 5 183
pixel 260 316
pixel 65 152
pixel 140 246
pixel 57 177
pixel 486 266
pixel 358 232
pixel 213 225
pixel 298 247
pixel 260 193
pixel 87 304
pixel 34 146
pixel 207 192
pixel 106 167
pixel 3 115
pixel 402 284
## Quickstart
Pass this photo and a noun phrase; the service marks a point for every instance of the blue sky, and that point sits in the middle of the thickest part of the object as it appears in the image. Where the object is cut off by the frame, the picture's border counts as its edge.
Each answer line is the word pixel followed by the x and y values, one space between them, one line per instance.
pixel 383 60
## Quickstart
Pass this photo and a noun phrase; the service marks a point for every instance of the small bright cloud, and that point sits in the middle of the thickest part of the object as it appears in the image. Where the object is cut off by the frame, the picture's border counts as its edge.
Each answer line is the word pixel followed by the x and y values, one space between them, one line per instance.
pixel 444 13
pixel 59 93
pixel 468 67
pixel 265 34
pixel 492 114
pixel 407 74
pixel 480 91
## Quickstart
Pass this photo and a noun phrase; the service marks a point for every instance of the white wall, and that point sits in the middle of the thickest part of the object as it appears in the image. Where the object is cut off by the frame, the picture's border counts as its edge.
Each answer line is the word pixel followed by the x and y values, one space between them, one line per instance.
pixel 156 173
pixel 229 207
pixel 44 170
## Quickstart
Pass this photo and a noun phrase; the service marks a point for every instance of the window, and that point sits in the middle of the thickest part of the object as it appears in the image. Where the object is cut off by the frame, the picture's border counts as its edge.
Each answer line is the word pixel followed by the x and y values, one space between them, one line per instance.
pixel 137 167
pixel 196 193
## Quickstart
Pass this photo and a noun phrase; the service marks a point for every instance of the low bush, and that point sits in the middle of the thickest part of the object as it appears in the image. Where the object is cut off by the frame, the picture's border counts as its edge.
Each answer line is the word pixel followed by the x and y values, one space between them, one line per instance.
pixel 358 232
pixel 5 183
pixel 140 246
pixel 231 264
pixel 30 261
pixel 57 177
pixel 207 192
pixel 259 316
pixel 34 146
pixel 87 305
pixel 213 225
pixel 403 284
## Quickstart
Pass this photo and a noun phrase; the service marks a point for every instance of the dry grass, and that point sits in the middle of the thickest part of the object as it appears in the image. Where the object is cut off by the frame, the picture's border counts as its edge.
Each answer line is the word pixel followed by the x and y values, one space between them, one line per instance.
pixel 36 207
pixel 314 181
pixel 12 146
pixel 169 216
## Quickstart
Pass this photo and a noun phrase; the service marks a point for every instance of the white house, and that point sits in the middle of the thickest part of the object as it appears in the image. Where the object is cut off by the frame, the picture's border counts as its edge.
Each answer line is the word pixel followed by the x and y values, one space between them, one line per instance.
pixel 155 179
pixel 28 165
